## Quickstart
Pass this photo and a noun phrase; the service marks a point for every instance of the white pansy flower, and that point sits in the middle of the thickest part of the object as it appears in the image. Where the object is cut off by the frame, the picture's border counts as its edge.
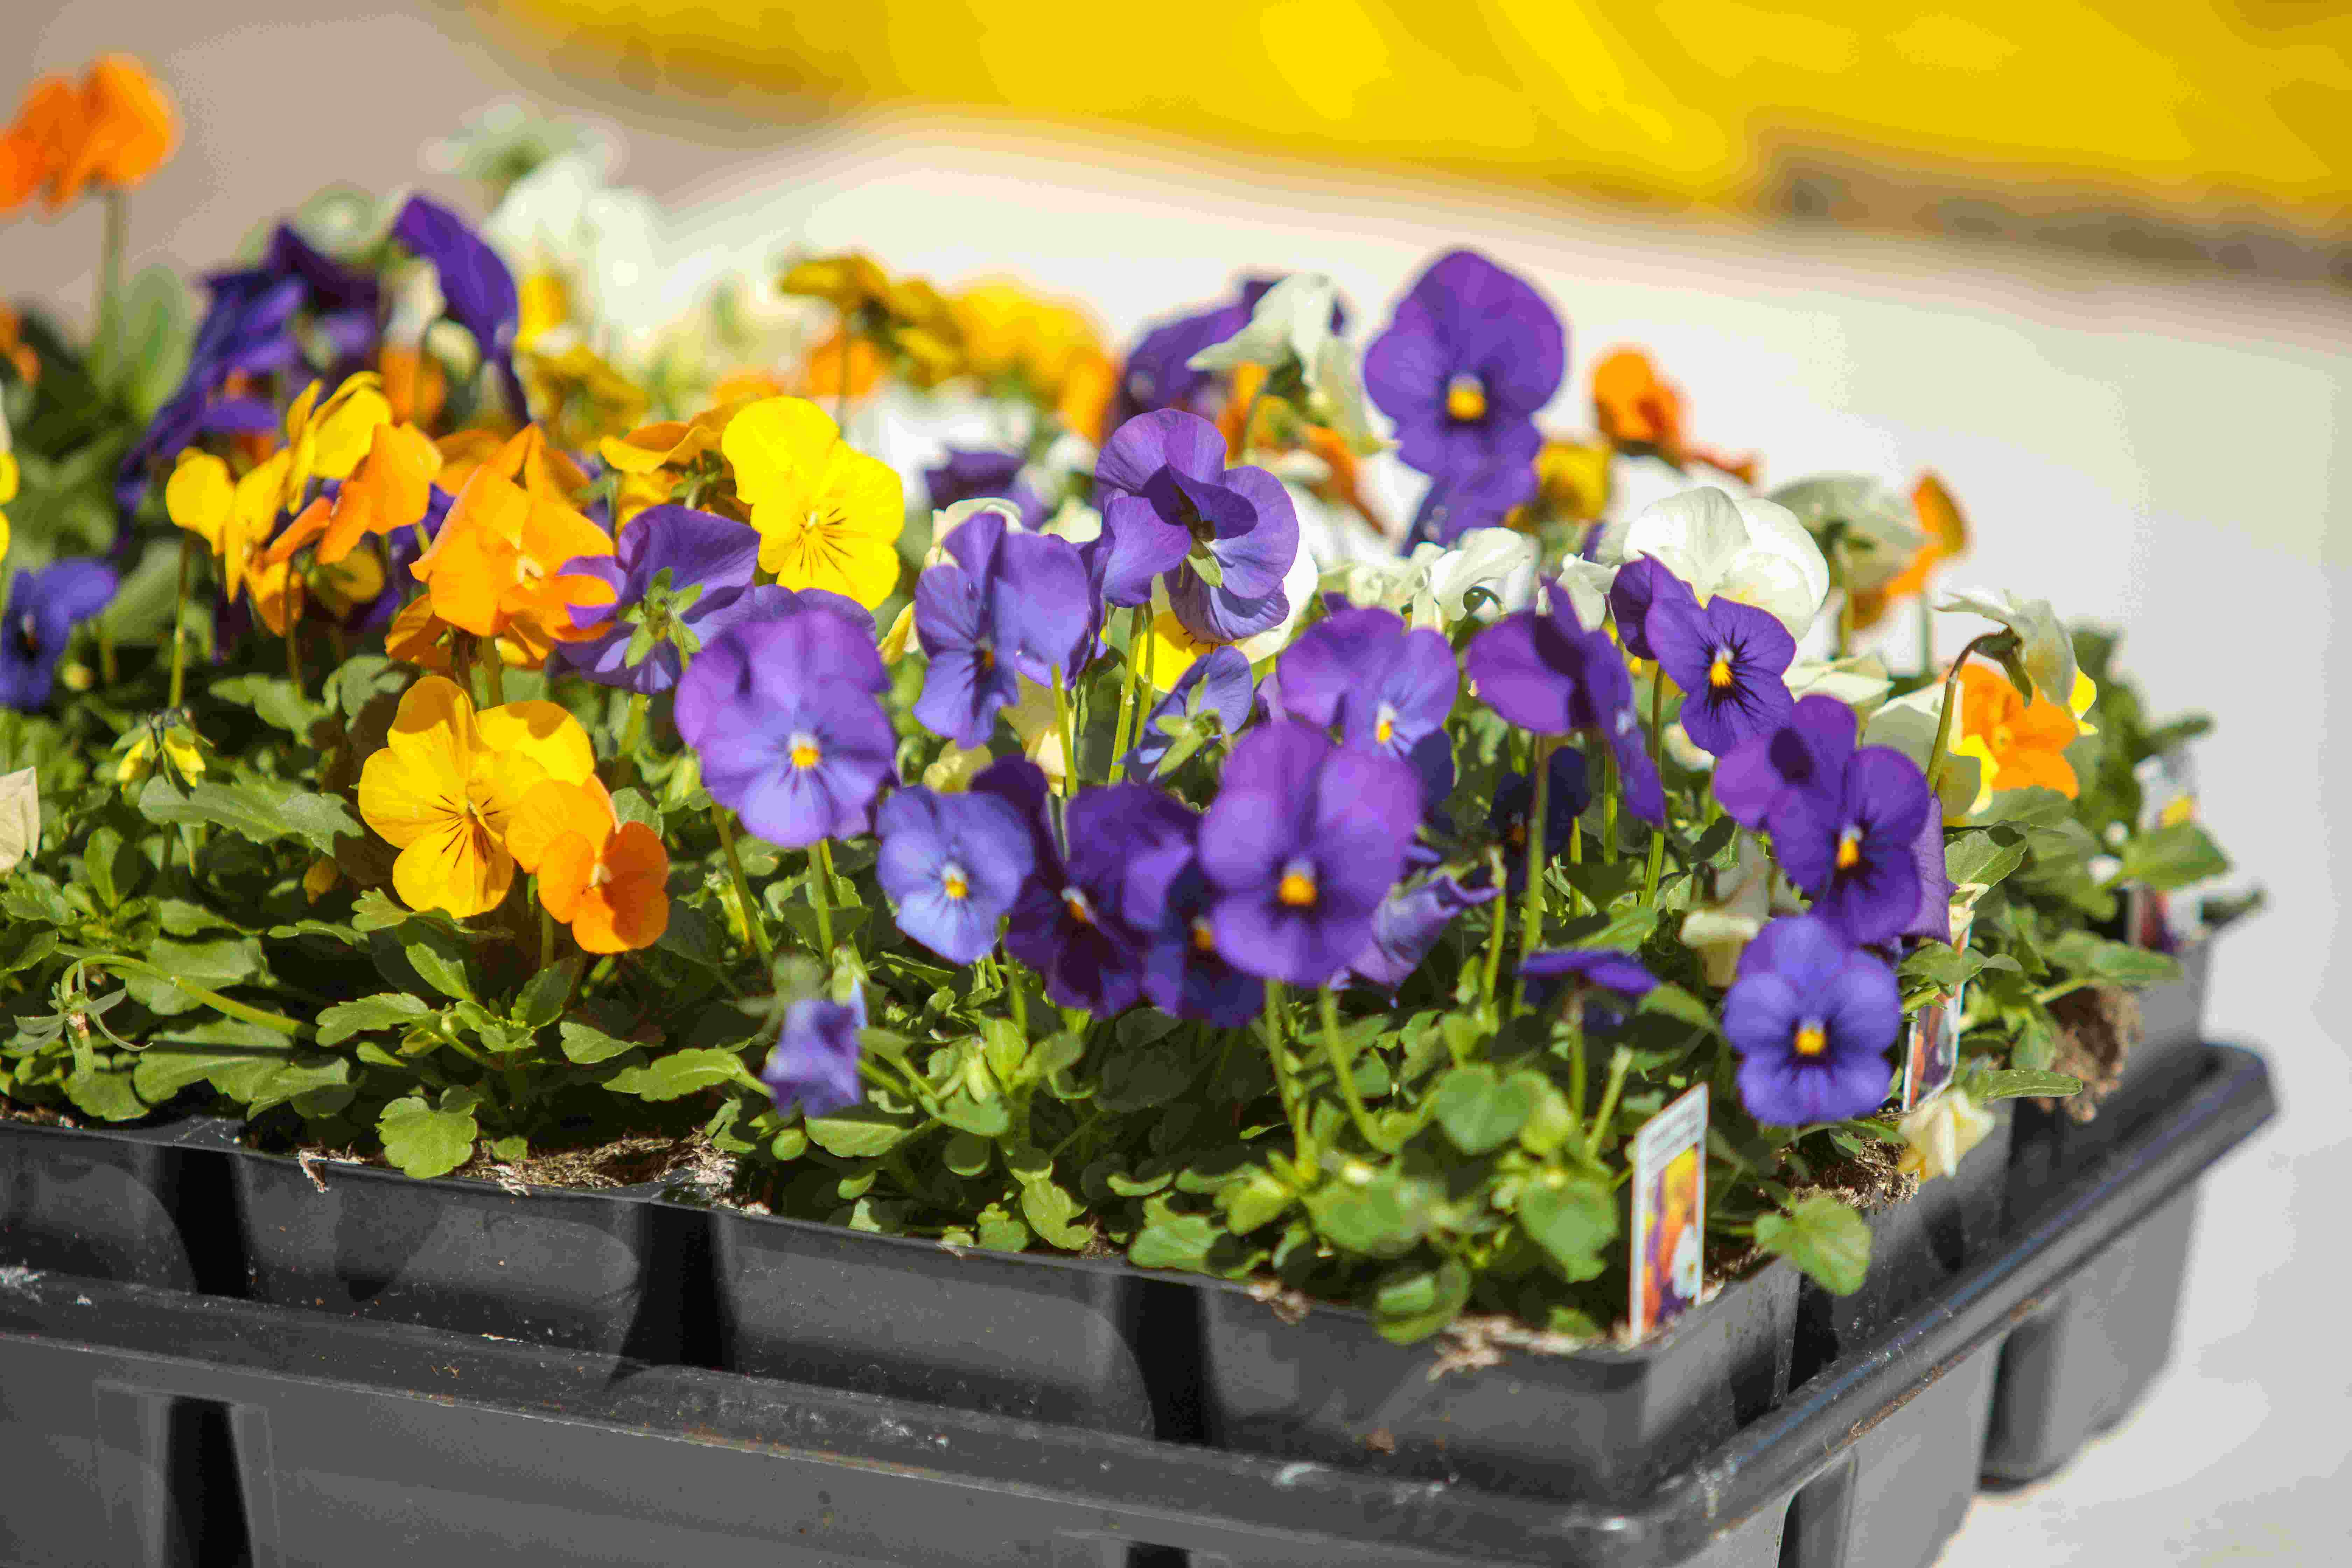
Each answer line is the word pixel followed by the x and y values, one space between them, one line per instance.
pixel 953 772
pixel 1501 560
pixel 1881 531
pixel 1292 325
pixel 1587 585
pixel 1754 551
pixel 1909 724
pixel 1941 1130
pixel 2044 648
pixel 1034 721
pixel 20 817
pixel 1861 682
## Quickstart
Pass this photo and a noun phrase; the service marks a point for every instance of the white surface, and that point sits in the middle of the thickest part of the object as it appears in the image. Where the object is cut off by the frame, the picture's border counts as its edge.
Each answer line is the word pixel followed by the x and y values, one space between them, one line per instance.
pixel 2166 452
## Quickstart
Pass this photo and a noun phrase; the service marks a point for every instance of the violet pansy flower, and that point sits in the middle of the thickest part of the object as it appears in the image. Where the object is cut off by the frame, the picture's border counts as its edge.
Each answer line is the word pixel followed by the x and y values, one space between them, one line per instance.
pixel 1566 796
pixel 1849 840
pixel 1168 499
pixel 1217 683
pixel 1088 914
pixel 1594 968
pixel 1302 843
pixel 782 715
pixel 476 291
pixel 954 865
pixel 1807 751
pixel 1003 604
pixel 1544 672
pixel 37 621
pixel 674 571
pixel 967 474
pixel 814 1063
pixel 1810 1017
pixel 1363 672
pixel 1471 355
pixel 1407 925
pixel 1727 657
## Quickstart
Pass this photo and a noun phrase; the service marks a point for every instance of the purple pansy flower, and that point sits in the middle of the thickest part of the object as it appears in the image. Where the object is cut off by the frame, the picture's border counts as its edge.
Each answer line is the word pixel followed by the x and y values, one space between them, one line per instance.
pixel 815 1061
pixel 1637 583
pixel 1406 926
pixel 782 714
pixel 693 567
pixel 1217 683
pixel 1596 968
pixel 1003 604
pixel 1544 672
pixel 1483 497
pixel 1088 914
pixel 1158 373
pixel 954 864
pixel 1727 657
pixel 985 475
pixel 476 289
pixel 1164 490
pixel 1847 842
pixel 1933 920
pixel 1807 750
pixel 1302 843
pixel 1810 1017
pixel 1183 972
pixel 1568 793
pixel 1384 686
pixel 1470 356
pixel 36 620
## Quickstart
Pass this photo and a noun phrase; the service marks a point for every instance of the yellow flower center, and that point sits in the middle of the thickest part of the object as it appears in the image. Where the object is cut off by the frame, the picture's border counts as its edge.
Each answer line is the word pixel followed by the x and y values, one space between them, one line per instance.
pixel 1385 730
pixel 1081 910
pixel 1811 1040
pixel 527 569
pixel 953 882
pixel 1719 674
pixel 1297 888
pixel 805 752
pixel 1465 398
pixel 1203 938
pixel 1849 850
pixel 600 875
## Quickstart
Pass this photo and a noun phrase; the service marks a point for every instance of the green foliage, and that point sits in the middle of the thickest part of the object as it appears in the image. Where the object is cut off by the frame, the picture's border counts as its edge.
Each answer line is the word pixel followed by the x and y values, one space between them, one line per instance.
pixel 1823 1236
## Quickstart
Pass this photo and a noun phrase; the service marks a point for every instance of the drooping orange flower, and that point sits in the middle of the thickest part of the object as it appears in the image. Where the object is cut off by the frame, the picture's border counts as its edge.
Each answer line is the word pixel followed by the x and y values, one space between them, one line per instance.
pixel 114 129
pixel 604 877
pixel 2021 744
pixel 1947 536
pixel 497 567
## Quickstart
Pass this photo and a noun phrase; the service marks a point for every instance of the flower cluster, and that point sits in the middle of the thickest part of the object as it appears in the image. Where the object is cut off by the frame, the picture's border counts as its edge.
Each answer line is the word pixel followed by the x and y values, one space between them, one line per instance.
pixel 1146 840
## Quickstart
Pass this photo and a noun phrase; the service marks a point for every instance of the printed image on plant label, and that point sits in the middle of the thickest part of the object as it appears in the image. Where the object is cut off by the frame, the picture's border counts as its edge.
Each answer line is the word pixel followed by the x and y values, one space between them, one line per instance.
pixel 1669 1214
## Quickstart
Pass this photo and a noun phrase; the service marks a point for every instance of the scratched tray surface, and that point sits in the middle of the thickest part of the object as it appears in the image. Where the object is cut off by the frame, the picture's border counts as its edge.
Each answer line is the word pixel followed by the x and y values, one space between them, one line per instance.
pixel 160 1426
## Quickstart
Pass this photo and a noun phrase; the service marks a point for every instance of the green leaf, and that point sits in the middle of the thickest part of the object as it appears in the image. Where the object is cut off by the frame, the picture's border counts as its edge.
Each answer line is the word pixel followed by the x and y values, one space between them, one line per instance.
pixel 164 1071
pixel 1382 1218
pixel 374 910
pixel 1980 858
pixel 385 1010
pixel 1574 1223
pixel 1678 1004
pixel 1000 1232
pixel 273 699
pixel 1480 1110
pixel 426 1141
pixel 588 1046
pixel 2173 856
pixel 2112 962
pixel 856 1134
pixel 1049 1209
pixel 1823 1236
pixel 1254 1202
pixel 210 965
pixel 1138 1076
pixel 1171 1241
pixel 22 946
pixel 438 958
pixel 681 1073
pixel 1418 1305
pixel 252 808
pixel 543 995
pixel 106 1093
pixel 631 805
pixel 2009 1083
pixel 967 1154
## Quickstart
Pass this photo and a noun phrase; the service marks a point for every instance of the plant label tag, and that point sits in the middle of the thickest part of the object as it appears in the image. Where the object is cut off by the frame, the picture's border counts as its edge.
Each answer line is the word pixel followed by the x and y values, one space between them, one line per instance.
pixel 1931 1046
pixel 2153 918
pixel 1669 1214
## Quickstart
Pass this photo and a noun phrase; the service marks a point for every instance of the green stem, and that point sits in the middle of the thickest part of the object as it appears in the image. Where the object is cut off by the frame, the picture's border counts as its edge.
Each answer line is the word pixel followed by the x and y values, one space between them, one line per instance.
pixel 546 932
pixel 1926 638
pixel 212 999
pixel 1620 1060
pixel 1119 743
pixel 821 876
pixel 753 925
pixel 180 622
pixel 494 673
pixel 1576 1057
pixel 1937 757
pixel 1531 918
pixel 1293 1110
pixel 1607 804
pixel 2049 993
pixel 1343 1069
pixel 113 244
pixel 1069 736
pixel 1502 908
pixel 1657 757
pixel 1020 998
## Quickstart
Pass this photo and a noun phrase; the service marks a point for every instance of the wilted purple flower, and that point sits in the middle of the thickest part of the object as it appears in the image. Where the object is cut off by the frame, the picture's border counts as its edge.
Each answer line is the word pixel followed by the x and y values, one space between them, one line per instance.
pixel 1363 672
pixel 782 716
pixel 1544 672
pixel 1303 841
pixel 985 475
pixel 1089 913
pixel 1566 797
pixel 1469 358
pixel 1407 925
pixel 1217 683
pixel 1004 604
pixel 1164 491
pixel 1848 842
pixel 675 568
pixel 1727 657
pixel 815 1061
pixel 954 864
pixel 476 289
pixel 1596 968
pixel 36 620
pixel 1812 1018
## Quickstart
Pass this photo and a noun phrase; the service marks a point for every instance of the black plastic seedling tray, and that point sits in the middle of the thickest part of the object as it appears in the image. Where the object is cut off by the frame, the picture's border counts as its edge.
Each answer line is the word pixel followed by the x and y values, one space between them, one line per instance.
pixel 147 1424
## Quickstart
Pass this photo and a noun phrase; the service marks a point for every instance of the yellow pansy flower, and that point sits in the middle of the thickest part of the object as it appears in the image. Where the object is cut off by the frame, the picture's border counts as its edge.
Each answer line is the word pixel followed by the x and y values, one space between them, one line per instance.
pixel 233 517
pixel 7 488
pixel 828 515
pixel 327 440
pixel 449 779
pixel 1009 333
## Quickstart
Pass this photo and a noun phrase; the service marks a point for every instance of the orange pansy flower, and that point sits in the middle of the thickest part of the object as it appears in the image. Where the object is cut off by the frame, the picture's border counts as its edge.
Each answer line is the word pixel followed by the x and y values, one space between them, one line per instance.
pixel 388 490
pixel 1635 405
pixel 115 129
pixel 604 877
pixel 2019 743
pixel 841 366
pixel 496 569
pixel 1947 532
